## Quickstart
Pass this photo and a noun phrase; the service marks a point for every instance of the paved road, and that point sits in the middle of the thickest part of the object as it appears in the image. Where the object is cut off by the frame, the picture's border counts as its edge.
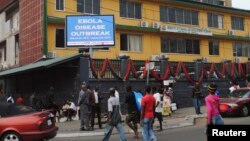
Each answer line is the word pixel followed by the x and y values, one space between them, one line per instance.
pixel 180 118
pixel 189 133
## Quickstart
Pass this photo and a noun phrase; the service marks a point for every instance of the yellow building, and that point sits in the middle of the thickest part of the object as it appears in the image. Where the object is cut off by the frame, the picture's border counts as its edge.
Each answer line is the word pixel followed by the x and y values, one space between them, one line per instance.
pixel 181 30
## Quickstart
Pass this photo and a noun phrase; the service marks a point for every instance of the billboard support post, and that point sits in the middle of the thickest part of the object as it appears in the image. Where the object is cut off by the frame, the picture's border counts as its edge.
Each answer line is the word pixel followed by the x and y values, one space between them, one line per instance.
pixel 149 66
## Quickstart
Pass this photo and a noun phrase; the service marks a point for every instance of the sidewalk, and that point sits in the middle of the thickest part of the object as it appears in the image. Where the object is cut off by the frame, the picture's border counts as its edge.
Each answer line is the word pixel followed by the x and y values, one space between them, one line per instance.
pixel 181 118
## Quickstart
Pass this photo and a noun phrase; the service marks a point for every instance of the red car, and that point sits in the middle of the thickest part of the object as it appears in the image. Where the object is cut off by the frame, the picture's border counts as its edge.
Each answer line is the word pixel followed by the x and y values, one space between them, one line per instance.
pixel 237 103
pixel 22 123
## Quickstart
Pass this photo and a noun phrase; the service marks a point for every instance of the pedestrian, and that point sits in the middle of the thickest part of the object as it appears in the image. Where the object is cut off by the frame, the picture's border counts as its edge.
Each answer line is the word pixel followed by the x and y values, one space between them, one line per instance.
pixel 117 93
pixel 196 98
pixel 49 99
pixel 248 81
pixel 33 100
pixel 10 99
pixel 2 96
pixel 71 110
pixel 91 96
pixel 212 105
pixel 133 116
pixel 170 90
pixel 234 86
pixel 65 108
pixel 166 102
pixel 39 104
pixel 20 100
pixel 114 117
pixel 147 115
pixel 83 102
pixel 50 104
pixel 158 110
pixel 96 108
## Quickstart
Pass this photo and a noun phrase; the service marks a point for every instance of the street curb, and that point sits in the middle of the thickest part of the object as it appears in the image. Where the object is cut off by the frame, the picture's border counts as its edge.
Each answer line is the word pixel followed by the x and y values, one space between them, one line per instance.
pixel 90 134
pixel 190 122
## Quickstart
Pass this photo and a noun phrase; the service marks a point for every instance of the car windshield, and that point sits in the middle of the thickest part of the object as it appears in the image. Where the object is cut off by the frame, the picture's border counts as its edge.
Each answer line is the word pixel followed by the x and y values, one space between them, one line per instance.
pixel 239 93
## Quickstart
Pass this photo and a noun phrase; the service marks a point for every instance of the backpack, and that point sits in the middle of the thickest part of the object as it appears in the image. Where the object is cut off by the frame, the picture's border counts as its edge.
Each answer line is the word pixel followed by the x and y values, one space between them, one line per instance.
pixel 138 98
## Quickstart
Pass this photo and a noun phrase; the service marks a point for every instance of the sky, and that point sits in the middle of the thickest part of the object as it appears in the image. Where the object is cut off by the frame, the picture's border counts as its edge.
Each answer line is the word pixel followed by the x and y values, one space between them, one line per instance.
pixel 242 4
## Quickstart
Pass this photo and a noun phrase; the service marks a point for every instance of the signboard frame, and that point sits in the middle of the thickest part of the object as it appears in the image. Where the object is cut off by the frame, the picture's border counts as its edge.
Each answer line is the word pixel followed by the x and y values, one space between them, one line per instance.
pixel 83 43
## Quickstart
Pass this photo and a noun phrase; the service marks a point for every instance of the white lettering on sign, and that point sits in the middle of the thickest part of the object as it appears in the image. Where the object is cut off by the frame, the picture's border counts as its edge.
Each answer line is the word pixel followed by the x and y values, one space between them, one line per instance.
pixel 216 132
pixel 91 33
pixel 90 27
pixel 88 21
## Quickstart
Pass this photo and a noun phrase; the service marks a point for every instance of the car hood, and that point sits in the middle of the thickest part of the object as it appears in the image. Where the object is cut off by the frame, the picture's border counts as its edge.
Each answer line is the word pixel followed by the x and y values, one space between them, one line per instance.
pixel 231 100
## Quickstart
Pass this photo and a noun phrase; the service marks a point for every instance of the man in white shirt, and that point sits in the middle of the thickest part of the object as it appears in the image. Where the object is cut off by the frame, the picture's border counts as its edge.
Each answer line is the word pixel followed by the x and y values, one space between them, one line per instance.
pixel 158 110
pixel 234 86
pixel 114 118
pixel 117 93
pixel 10 99
pixel 71 109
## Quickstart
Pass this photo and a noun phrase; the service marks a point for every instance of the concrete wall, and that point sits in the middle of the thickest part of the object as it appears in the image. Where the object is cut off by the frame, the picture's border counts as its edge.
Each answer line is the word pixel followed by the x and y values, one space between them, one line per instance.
pixel 8 30
pixel 228 3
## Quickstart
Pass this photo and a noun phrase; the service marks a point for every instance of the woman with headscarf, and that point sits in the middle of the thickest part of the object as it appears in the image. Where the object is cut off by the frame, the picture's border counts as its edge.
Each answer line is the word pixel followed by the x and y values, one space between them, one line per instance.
pixel 212 105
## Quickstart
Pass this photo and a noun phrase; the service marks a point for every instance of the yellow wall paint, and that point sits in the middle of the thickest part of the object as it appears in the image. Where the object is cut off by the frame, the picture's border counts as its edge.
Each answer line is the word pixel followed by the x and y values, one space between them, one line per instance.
pixel 51 42
pixel 151 40
pixel 69 8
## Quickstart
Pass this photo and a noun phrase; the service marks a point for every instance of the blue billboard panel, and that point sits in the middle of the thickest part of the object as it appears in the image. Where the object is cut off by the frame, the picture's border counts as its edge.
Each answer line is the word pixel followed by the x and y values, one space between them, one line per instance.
pixel 90 30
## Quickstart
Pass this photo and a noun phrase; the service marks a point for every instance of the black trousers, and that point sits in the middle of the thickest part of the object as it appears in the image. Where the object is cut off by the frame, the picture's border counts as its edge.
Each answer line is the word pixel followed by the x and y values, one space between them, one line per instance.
pixel 96 110
pixel 71 113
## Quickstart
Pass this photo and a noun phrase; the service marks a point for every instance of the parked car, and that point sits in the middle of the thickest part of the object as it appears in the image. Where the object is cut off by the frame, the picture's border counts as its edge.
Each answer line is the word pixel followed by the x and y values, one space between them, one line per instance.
pixel 22 123
pixel 236 103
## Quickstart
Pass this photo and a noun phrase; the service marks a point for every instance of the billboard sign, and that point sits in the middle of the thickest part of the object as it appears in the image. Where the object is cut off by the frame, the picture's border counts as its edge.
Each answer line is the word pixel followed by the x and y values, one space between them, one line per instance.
pixel 90 30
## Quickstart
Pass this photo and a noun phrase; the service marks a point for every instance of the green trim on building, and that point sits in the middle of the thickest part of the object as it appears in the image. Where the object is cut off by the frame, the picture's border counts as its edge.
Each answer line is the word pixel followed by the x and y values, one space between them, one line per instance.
pixel 213 7
pixel 242 38
pixel 137 28
pixel 39 65
pixel 45 30
pixel 56 20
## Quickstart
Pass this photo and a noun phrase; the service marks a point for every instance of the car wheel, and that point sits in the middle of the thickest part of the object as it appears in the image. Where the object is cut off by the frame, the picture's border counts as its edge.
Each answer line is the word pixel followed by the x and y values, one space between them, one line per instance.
pixel 11 136
pixel 244 111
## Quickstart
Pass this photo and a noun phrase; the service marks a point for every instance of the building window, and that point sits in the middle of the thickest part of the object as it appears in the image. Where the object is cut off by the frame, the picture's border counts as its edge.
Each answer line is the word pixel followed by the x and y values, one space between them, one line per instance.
pixel 130 9
pixel 131 42
pixel 213 47
pixel 88 6
pixel 241 49
pixel 4 50
pixel 178 15
pixel 5 53
pixel 60 38
pixel 17 49
pixel 222 3
pixel 60 5
pixel 214 2
pixel 237 23
pixel 215 20
pixel 180 45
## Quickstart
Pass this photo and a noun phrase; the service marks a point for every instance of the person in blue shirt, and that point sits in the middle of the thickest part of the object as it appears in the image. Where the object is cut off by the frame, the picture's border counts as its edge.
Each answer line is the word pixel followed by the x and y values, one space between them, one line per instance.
pixel 217 92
